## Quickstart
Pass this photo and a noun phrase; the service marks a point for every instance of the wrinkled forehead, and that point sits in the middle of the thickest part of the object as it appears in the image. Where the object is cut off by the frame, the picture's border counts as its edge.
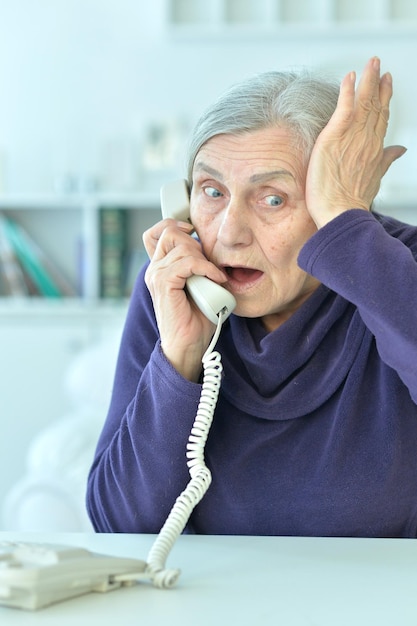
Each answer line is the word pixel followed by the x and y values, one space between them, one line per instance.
pixel 256 152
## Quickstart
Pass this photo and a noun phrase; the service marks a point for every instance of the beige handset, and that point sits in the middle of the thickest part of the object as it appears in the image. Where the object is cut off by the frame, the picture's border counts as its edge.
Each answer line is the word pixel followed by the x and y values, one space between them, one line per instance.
pixel 212 299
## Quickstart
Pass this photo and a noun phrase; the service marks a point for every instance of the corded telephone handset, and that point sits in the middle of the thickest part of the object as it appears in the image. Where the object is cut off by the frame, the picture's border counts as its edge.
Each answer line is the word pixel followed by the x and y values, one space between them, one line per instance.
pixel 33 576
pixel 212 299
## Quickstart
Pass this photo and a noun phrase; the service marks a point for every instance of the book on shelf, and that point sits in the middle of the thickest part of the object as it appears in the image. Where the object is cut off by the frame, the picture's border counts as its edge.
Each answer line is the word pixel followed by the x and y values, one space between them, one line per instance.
pixel 120 262
pixel 113 252
pixel 12 277
pixel 25 267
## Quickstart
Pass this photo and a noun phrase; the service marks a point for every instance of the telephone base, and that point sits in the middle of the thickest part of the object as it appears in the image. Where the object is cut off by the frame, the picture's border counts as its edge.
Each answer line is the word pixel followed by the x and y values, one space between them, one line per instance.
pixel 33 576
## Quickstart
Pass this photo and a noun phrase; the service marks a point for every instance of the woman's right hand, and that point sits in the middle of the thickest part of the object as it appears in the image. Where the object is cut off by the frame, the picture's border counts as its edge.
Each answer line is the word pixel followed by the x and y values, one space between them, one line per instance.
pixel 185 332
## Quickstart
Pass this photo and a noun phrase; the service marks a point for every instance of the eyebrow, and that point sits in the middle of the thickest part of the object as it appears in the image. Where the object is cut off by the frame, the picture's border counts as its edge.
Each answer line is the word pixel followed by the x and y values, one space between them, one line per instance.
pixel 203 167
pixel 255 178
pixel 265 176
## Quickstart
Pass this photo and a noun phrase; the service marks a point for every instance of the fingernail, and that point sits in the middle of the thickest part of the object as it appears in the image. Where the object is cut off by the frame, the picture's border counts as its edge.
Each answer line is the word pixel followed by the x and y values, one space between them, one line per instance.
pixel 376 63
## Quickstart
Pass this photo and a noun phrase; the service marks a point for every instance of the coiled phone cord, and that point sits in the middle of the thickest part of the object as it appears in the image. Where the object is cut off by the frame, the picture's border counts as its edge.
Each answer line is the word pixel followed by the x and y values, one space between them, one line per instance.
pixel 199 472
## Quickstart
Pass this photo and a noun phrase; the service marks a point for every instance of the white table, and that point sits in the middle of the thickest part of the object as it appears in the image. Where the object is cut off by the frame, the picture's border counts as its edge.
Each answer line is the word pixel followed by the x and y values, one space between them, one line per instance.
pixel 279 581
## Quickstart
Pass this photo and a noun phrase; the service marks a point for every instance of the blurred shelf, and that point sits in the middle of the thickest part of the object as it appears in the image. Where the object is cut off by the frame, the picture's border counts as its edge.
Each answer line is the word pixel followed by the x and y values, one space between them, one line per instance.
pixel 290 18
pixel 68 229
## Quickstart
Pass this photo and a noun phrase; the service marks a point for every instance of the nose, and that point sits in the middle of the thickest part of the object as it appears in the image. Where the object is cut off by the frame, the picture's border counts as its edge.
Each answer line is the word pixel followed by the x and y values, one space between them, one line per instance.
pixel 234 227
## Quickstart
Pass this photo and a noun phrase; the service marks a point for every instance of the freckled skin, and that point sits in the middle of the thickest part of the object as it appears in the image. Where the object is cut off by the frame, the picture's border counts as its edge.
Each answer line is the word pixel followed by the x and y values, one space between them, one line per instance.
pixel 238 226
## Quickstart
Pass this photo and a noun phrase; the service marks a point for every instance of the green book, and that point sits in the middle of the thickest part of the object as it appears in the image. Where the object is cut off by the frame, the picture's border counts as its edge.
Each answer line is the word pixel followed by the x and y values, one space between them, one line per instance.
pixel 29 259
pixel 11 272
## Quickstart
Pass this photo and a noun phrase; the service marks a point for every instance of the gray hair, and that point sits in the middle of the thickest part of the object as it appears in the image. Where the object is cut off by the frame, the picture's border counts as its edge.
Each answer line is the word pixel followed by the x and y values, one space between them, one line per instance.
pixel 299 101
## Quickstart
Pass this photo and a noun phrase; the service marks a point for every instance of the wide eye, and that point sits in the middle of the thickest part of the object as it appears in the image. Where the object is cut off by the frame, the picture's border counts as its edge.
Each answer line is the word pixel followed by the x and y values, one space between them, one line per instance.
pixel 274 200
pixel 212 192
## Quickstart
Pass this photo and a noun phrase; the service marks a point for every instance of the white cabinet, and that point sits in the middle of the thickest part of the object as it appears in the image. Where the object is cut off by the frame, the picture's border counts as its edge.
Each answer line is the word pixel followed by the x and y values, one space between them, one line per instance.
pixel 37 347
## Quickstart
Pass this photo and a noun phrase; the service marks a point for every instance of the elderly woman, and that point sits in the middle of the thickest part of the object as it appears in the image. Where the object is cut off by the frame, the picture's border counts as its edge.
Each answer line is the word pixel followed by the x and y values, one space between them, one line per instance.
pixel 315 429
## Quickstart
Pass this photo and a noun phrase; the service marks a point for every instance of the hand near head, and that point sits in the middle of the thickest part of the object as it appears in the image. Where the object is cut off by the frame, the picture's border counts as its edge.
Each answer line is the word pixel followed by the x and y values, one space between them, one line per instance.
pixel 349 160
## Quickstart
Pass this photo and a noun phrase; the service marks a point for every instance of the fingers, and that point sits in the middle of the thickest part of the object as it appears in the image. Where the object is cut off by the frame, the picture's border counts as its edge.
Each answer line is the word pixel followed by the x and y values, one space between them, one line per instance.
pixel 368 87
pixel 385 95
pixel 172 250
pixel 367 107
pixel 373 96
pixel 368 104
pixel 343 115
pixel 385 89
pixel 152 236
pixel 391 154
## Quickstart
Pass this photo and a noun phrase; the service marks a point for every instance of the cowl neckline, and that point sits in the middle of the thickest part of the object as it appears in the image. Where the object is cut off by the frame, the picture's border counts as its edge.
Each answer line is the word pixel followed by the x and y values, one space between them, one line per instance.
pixel 291 371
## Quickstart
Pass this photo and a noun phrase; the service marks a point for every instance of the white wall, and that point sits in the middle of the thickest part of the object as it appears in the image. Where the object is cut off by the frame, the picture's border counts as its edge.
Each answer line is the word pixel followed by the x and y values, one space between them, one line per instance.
pixel 79 75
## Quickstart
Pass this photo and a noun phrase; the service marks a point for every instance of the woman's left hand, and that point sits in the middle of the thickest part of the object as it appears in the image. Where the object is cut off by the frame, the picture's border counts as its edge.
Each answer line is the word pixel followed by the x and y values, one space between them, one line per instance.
pixel 349 160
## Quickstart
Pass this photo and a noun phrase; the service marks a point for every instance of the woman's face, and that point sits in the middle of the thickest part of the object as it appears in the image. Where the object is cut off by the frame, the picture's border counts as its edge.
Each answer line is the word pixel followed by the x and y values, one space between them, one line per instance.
pixel 248 208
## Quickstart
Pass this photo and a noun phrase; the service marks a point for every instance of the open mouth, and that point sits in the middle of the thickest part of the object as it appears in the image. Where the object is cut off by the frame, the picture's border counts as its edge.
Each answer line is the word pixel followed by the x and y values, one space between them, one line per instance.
pixel 244 275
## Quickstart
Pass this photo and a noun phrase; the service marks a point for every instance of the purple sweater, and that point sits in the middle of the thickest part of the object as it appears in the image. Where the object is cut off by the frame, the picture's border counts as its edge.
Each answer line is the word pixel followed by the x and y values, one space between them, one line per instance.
pixel 315 430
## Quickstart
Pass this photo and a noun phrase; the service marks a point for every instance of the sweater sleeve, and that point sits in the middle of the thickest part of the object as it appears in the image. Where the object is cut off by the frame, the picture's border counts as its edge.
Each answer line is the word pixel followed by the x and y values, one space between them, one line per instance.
pixel 356 256
pixel 139 468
